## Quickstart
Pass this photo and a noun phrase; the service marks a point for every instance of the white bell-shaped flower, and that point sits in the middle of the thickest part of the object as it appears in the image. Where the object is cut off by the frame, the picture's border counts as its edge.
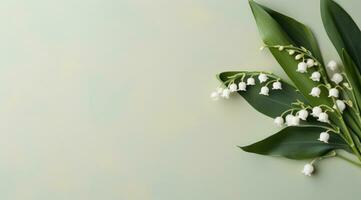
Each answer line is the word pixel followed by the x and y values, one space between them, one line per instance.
pixel 289 118
pixel 262 77
pixel 264 91
pixel 316 111
pixel 337 78
pixel 333 92
pixel 279 121
pixel 315 92
pixel 298 56
pixel 303 114
pixel 308 169
pixel 232 87
pixel 215 96
pixel 302 67
pixel 292 120
pixel 277 86
pixel 332 65
pixel 281 48
pixel 226 93
pixel 310 62
pixel 219 90
pixel 242 86
pixel 340 105
pixel 323 117
pixel 315 76
pixel 251 81
pixel 295 121
pixel 324 137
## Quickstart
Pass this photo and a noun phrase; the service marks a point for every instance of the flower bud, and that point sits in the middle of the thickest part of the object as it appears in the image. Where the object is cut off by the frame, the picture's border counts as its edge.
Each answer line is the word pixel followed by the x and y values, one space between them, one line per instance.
pixel 298 56
pixel 262 77
pixel 337 78
pixel 281 48
pixel 291 52
pixel 332 65
pixel 315 76
pixel 264 91
pixel 277 86
pixel 279 121
pixel 251 81
pixel 315 92
pixel 242 86
pixel 302 67
pixel 324 137
pixel 308 169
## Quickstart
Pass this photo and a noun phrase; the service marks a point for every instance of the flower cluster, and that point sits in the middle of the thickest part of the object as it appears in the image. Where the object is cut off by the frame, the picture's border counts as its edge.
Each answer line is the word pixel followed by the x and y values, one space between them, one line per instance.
pixel 308 64
pixel 242 85
pixel 299 112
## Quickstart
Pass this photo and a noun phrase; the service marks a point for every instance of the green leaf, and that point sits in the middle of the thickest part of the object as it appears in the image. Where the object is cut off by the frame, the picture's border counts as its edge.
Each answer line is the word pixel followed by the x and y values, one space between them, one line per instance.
pixel 273 105
pixel 297 143
pixel 300 34
pixel 274 32
pixel 353 77
pixel 342 30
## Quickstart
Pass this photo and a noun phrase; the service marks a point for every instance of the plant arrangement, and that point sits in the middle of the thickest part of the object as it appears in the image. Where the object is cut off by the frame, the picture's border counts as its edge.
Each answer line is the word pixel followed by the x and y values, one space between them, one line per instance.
pixel 319 112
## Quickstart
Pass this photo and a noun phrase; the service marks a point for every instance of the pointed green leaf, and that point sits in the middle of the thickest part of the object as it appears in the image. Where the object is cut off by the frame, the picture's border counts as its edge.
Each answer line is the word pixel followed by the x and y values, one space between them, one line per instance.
pixel 300 34
pixel 297 143
pixel 342 30
pixel 273 33
pixel 353 77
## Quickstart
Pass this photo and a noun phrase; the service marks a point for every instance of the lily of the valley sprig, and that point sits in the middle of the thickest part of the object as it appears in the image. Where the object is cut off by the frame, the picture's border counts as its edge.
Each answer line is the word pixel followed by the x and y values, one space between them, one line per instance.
pixel 319 113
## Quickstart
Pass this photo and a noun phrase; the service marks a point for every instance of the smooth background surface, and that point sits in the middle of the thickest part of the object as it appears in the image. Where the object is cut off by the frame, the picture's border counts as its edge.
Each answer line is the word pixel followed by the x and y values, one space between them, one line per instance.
pixel 107 99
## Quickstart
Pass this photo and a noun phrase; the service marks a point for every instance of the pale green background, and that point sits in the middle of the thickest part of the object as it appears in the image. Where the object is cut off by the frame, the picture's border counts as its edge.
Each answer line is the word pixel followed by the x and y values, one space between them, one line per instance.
pixel 109 99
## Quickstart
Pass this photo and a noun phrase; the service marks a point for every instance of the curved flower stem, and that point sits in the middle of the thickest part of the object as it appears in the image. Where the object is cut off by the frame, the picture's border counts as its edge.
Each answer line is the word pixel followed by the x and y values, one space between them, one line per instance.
pixel 349 160
pixel 287 111
pixel 329 155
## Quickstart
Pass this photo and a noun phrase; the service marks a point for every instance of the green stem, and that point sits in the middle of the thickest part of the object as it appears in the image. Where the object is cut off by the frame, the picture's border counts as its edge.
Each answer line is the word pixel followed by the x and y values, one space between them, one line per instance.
pixel 350 139
pixel 349 160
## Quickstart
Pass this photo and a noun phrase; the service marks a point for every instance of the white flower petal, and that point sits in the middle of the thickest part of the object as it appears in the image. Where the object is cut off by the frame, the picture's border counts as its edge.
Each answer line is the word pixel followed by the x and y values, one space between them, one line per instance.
pixel 262 77
pixel 302 67
pixel 324 137
pixel 315 92
pixel 232 87
pixel 315 76
pixel 277 86
pixel 332 65
pixel 264 91
pixel 337 78
pixel 242 86
pixel 308 169
pixel 333 92
pixel 251 81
